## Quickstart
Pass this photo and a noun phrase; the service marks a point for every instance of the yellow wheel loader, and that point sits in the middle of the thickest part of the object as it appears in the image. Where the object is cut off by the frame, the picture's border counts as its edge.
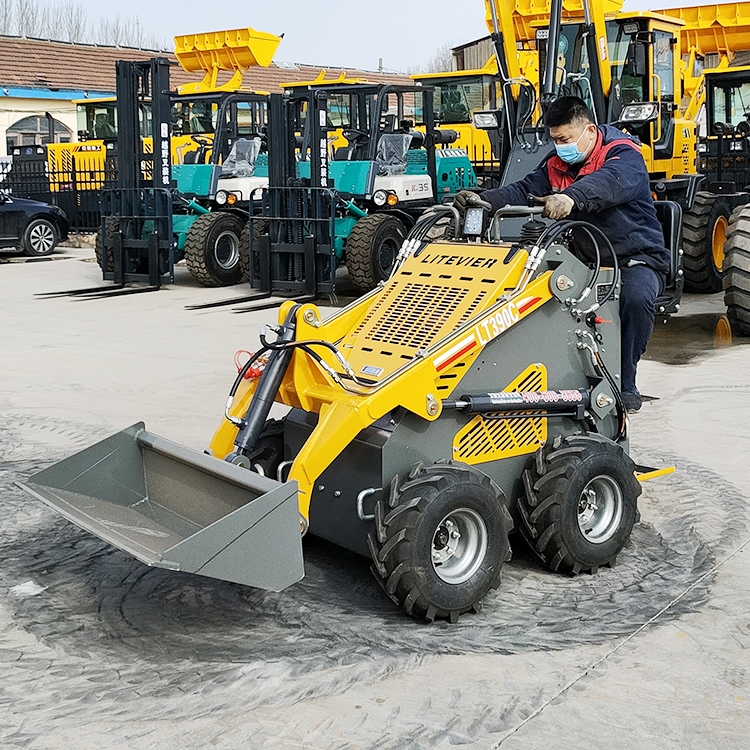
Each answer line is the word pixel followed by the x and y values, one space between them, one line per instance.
pixel 477 389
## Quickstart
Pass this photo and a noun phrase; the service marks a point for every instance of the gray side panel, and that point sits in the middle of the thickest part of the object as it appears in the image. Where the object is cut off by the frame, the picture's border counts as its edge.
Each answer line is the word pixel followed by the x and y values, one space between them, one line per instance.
pixel 546 336
pixel 333 506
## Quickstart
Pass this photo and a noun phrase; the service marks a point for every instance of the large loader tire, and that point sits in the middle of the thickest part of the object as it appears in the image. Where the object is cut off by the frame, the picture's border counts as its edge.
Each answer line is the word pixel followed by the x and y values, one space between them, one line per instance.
pixel 248 254
pixel 111 225
pixel 212 249
pixel 704 229
pixel 737 271
pixel 440 540
pixel 580 503
pixel 371 249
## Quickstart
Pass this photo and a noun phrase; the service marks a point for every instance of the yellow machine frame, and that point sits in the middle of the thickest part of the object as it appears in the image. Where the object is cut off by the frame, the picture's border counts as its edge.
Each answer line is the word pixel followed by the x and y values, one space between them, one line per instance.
pixel 210 53
pixel 448 345
pixel 83 163
pixel 721 29
pixel 475 141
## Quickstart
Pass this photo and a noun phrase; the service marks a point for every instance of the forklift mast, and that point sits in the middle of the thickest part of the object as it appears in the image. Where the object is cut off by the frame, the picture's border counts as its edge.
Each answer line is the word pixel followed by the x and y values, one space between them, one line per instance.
pixel 138 214
pixel 138 84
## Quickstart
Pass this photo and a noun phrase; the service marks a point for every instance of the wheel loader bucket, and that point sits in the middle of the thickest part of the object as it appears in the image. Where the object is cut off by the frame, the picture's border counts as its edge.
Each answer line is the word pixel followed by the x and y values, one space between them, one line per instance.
pixel 174 508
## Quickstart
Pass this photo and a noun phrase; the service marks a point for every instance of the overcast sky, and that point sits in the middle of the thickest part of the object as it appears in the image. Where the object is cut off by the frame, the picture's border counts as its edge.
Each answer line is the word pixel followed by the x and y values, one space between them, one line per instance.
pixel 331 32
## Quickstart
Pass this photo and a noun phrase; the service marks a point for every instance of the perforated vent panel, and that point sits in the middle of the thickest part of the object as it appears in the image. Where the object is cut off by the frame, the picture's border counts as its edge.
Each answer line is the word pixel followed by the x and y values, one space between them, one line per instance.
pixel 429 298
pixel 416 315
pixel 487 439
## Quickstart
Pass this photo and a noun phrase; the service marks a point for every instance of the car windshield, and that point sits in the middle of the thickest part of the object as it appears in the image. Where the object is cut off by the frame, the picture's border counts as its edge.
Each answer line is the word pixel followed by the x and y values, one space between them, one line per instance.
pixel 455 99
pixel 194 117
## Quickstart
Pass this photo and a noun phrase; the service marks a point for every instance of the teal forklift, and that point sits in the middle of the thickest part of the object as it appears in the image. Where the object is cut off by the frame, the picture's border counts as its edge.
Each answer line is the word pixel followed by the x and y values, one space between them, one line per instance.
pixel 161 212
pixel 350 172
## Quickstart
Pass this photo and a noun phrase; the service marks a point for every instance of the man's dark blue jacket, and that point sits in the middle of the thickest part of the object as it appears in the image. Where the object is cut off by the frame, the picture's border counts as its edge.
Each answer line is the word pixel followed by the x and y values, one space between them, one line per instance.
pixel 611 190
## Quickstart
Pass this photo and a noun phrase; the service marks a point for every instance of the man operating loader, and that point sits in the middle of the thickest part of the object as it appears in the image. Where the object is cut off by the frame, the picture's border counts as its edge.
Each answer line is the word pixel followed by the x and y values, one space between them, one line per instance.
pixel 598 175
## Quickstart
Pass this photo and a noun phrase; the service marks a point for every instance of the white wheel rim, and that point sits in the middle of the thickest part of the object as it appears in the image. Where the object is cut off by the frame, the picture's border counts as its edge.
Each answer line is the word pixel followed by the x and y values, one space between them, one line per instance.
pixel 459 546
pixel 42 238
pixel 227 250
pixel 600 509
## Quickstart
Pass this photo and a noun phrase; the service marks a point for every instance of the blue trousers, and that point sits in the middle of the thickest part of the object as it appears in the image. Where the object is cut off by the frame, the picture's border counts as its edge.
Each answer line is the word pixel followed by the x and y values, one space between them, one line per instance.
pixel 641 286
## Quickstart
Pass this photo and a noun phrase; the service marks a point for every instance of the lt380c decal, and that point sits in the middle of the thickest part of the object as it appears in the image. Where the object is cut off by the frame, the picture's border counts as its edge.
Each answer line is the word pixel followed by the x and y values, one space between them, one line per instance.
pixel 487 329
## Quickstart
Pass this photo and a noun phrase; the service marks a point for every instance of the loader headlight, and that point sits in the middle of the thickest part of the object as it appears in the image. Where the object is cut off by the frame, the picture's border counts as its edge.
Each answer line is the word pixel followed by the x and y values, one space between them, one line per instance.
pixel 380 197
pixel 484 120
pixel 221 197
pixel 645 112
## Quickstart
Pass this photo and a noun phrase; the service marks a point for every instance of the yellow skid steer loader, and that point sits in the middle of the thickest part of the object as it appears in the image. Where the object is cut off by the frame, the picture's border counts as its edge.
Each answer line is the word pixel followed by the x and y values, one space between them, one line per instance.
pixel 475 390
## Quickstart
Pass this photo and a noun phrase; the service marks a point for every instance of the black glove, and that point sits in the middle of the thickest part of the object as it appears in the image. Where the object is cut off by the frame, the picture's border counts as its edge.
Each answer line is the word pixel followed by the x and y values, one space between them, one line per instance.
pixel 464 199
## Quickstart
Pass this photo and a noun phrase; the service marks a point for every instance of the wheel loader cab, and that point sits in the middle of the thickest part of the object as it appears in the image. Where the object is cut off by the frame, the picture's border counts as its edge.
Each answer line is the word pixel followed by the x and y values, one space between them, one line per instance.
pixel 724 147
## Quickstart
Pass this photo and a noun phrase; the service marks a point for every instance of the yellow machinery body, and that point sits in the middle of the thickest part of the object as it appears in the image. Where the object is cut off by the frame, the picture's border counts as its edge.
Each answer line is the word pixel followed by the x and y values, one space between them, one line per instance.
pixel 694 32
pixel 478 89
pixel 82 165
pixel 440 309
pixel 235 50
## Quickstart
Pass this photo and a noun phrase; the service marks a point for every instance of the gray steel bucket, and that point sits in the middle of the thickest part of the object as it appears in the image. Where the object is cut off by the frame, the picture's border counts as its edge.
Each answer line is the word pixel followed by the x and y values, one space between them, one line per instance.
pixel 173 508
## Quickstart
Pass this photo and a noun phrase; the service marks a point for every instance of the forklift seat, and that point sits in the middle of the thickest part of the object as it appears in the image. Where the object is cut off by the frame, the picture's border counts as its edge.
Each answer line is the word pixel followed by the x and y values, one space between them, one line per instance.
pixel 344 153
pixel 391 153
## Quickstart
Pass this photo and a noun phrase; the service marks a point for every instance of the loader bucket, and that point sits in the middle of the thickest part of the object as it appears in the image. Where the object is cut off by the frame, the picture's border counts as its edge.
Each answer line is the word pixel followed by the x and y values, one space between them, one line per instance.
pixel 174 508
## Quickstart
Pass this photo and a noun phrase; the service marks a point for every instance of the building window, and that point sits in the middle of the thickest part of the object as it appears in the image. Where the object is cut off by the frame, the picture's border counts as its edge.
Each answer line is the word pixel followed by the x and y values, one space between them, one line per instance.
pixel 34 131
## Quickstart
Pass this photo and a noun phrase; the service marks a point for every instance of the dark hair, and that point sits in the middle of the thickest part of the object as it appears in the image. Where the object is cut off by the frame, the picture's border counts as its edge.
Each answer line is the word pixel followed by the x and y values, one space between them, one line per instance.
pixel 568 109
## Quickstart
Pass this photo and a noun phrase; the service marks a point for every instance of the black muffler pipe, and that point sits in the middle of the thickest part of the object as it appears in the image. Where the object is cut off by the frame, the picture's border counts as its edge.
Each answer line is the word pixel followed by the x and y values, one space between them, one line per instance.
pixel 265 394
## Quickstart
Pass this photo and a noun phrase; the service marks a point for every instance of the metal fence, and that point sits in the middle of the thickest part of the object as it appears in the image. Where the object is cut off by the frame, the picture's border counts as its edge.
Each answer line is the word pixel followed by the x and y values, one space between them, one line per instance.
pixel 72 181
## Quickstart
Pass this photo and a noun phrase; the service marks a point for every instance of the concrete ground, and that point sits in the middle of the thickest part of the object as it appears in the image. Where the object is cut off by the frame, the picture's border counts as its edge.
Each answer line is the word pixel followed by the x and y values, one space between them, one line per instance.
pixel 99 651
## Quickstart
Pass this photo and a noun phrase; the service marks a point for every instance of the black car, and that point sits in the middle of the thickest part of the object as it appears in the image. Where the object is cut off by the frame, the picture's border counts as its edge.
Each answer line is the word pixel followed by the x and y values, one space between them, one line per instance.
pixel 31 226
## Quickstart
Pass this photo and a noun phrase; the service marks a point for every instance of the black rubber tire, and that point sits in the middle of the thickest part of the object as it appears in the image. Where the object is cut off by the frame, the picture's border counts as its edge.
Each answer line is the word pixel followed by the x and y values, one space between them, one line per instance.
pixel 40 238
pixel 207 238
pixel 554 487
pixel 701 273
pixel 371 249
pixel 407 525
pixel 247 253
pixel 737 271
pixel 442 229
pixel 269 450
pixel 111 225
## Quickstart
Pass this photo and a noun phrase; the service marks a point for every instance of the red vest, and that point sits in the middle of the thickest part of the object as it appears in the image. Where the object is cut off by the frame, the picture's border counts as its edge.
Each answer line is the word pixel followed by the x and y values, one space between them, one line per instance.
pixel 557 169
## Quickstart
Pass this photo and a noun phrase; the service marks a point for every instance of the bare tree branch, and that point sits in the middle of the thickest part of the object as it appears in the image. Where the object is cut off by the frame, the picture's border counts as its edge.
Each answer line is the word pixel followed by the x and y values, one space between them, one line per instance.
pixel 7 16
pixel 67 20
pixel 74 22
pixel 27 17
pixel 440 62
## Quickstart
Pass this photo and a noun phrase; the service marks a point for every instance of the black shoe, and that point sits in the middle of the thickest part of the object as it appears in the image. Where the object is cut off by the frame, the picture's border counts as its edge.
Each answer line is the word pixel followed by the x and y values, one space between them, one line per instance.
pixel 632 401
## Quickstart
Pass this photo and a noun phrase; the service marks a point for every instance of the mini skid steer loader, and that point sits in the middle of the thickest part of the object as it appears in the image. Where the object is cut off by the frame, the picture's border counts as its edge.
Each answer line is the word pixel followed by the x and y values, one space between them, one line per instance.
pixel 475 390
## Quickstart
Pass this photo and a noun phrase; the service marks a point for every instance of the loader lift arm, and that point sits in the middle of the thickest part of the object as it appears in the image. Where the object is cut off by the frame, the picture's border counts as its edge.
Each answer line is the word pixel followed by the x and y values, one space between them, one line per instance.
pixel 519 24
